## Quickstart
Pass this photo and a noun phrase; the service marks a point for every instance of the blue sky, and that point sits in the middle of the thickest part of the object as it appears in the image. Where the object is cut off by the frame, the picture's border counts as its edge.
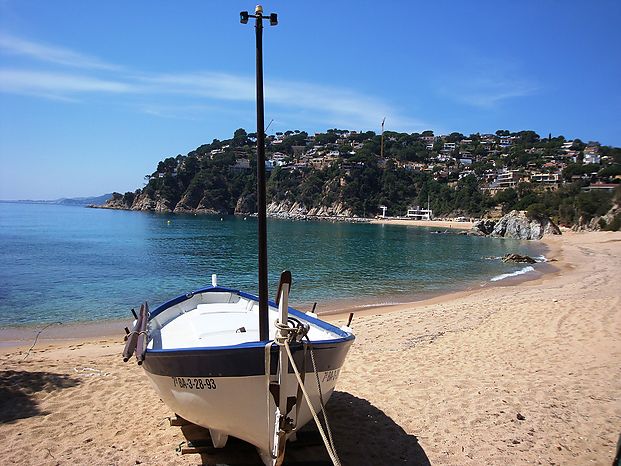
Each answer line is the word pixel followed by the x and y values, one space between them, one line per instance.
pixel 94 94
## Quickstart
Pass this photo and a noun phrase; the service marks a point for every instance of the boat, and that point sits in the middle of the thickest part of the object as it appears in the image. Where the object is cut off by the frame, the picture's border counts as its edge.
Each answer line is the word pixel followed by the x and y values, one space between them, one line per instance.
pixel 203 355
pixel 238 364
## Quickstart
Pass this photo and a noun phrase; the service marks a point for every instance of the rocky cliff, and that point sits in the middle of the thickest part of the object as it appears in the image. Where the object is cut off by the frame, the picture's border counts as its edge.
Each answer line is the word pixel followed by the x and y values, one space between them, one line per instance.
pixel 245 205
pixel 609 221
pixel 285 209
pixel 516 224
pixel 117 201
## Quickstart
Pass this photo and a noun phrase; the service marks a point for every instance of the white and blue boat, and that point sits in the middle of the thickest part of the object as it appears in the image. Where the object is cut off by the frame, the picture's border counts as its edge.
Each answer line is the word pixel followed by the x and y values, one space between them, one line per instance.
pixel 204 357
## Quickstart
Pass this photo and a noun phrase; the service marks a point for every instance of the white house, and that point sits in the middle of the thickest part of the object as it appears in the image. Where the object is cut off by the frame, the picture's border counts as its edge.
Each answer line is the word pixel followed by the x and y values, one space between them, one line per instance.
pixel 592 157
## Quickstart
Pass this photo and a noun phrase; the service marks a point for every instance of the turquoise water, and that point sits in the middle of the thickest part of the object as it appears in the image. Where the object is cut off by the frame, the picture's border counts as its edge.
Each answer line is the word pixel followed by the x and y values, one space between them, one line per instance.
pixel 68 264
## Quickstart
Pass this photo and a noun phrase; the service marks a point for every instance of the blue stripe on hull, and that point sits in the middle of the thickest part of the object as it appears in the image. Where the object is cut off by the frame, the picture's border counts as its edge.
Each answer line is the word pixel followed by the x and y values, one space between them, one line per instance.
pixel 242 361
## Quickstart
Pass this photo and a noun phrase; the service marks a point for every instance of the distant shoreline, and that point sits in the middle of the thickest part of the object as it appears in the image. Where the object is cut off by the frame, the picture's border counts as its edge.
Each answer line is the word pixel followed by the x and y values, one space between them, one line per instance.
pixel 447 223
pixel 64 201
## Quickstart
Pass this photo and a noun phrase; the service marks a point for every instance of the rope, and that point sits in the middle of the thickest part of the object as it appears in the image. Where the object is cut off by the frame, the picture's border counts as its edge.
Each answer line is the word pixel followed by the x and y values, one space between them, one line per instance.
pixel 330 450
pixel 323 406
pixel 283 335
pixel 296 333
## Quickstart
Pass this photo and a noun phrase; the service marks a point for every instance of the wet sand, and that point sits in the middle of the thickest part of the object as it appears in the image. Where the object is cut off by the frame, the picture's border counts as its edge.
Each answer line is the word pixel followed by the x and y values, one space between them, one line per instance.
pixel 520 374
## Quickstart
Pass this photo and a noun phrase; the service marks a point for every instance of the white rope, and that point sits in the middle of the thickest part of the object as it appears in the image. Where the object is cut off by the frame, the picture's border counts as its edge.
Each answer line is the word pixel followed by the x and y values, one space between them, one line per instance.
pixel 331 452
pixel 325 415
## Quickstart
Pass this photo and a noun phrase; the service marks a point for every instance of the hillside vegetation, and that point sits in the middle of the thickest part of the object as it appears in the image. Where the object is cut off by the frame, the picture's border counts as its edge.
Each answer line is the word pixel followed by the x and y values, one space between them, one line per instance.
pixel 342 173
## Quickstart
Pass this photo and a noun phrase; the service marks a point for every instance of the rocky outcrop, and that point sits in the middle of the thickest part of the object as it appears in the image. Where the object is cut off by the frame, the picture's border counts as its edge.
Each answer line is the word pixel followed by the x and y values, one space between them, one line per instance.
pixel 483 227
pixel 517 225
pixel 164 205
pixel 520 259
pixel 186 205
pixel 296 210
pixel 609 221
pixel 246 204
pixel 336 210
pixel 146 203
pixel 118 202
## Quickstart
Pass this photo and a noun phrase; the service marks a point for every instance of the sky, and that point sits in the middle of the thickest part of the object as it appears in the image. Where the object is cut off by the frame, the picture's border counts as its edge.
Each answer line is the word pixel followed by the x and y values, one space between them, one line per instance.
pixel 94 94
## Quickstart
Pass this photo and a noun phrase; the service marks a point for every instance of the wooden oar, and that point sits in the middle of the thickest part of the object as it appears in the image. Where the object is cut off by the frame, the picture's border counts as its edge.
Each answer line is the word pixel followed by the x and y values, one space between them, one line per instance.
pixel 132 339
pixel 142 334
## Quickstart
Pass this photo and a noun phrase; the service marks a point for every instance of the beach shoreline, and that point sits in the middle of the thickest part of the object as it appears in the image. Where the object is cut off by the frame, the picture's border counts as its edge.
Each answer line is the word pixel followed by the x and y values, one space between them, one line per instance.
pixel 442 224
pixel 519 374
pixel 66 332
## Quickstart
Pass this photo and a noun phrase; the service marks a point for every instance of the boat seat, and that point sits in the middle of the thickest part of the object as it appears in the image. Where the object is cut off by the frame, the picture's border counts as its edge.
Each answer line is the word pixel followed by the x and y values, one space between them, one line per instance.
pixel 220 324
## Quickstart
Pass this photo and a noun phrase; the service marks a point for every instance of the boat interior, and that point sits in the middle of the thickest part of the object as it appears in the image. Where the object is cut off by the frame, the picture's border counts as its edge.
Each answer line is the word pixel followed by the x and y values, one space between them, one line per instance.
pixel 217 318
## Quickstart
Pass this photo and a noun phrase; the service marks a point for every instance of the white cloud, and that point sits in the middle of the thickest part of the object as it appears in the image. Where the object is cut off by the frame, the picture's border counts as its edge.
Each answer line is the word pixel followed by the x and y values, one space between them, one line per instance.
pixel 488 91
pixel 340 107
pixel 325 105
pixel 190 112
pixel 485 82
pixel 56 84
pixel 313 102
pixel 221 86
pixel 48 53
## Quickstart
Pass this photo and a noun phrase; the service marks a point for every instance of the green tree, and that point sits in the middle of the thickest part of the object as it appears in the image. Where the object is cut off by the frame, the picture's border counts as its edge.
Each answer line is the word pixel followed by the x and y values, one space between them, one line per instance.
pixel 507 198
pixel 240 138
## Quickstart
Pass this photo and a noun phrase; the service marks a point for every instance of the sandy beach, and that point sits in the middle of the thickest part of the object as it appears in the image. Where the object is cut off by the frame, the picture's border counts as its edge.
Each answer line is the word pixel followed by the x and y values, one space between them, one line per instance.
pixel 516 374
pixel 440 224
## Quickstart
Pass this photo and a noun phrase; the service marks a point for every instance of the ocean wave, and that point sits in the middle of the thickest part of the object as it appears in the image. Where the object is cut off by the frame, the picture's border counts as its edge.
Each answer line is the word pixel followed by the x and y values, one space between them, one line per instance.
pixel 513 274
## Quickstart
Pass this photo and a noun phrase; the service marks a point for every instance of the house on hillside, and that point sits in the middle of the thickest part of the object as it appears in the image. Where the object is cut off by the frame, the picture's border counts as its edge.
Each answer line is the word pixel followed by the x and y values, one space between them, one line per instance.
pixel 507 179
pixel 551 181
pixel 241 165
pixel 591 158
pixel 505 141
pixel 601 187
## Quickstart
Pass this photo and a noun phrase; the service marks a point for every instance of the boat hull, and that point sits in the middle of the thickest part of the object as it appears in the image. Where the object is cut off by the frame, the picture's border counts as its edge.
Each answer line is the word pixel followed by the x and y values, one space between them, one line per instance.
pixel 227 390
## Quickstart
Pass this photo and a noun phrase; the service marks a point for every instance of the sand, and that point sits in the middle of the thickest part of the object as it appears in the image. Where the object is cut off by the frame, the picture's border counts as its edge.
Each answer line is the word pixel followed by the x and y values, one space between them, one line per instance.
pixel 521 374
pixel 439 224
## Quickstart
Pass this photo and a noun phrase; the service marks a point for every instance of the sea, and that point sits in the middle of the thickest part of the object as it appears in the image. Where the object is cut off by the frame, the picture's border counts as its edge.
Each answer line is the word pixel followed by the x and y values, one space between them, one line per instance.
pixel 74 264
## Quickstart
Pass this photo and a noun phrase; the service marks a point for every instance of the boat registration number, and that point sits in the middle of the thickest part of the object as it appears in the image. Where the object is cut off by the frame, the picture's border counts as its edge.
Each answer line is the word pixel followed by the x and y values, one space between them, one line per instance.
pixel 329 376
pixel 194 383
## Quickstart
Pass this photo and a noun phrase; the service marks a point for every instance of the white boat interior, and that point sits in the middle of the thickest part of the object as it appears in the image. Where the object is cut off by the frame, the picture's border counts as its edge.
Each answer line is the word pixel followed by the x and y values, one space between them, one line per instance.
pixel 217 318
